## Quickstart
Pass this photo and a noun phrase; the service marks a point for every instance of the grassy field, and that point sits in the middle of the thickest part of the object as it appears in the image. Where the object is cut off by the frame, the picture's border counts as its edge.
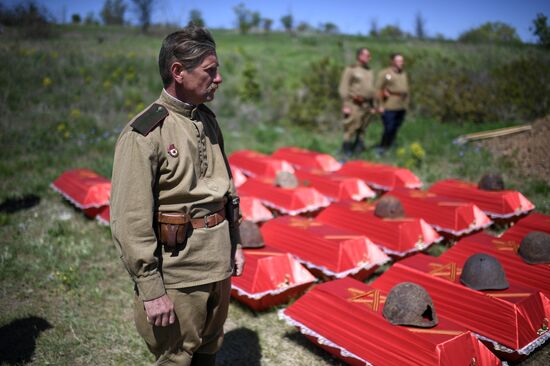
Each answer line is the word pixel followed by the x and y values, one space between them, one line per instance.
pixel 62 103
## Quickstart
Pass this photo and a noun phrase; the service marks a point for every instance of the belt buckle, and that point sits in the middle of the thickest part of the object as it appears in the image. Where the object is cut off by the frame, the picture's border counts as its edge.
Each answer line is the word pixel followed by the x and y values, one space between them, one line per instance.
pixel 206 221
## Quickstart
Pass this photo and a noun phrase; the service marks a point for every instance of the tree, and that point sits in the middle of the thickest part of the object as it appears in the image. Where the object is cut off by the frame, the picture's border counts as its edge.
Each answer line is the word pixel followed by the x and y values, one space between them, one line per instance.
pixel 144 10
pixel 391 31
pixel 255 19
pixel 90 19
pixel 244 18
pixel 112 12
pixel 287 21
pixel 76 19
pixel 491 32
pixel 541 30
pixel 420 26
pixel 329 28
pixel 266 24
pixel 373 32
pixel 195 17
pixel 304 27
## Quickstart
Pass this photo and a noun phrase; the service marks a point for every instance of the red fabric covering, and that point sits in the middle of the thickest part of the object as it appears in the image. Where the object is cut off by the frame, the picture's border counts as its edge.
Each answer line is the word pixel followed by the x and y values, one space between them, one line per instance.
pixel 497 204
pixel 308 159
pixel 104 216
pixel 397 237
pixel 509 317
pixel 380 176
pixel 238 176
pixel 336 187
pixel 253 210
pixel 325 249
pixel 444 214
pixel 255 164
pixel 532 275
pixel 533 222
pixel 85 189
pixel 288 201
pixel 270 278
pixel 345 318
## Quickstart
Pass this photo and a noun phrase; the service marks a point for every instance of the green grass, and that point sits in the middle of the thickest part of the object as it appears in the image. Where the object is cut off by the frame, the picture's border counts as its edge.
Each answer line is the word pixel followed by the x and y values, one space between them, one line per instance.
pixel 63 102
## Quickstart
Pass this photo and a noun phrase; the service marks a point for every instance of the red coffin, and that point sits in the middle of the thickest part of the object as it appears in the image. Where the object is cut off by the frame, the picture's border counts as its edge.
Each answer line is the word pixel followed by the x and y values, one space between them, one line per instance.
pixel 510 321
pixel 288 201
pixel 104 216
pixel 307 159
pixel 270 278
pixel 380 176
pixel 345 318
pixel 85 189
pixel 326 250
pixel 255 164
pixel 497 204
pixel 253 210
pixel 334 186
pixel 238 176
pixel 398 237
pixel 533 222
pixel 532 275
pixel 445 214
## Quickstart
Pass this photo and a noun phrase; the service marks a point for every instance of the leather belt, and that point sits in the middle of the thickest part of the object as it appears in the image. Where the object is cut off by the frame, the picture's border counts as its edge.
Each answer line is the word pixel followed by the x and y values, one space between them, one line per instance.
pixel 207 221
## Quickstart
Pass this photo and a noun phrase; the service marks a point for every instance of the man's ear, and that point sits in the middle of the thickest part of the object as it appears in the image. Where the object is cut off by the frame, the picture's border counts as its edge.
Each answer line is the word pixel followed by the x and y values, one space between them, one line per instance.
pixel 178 72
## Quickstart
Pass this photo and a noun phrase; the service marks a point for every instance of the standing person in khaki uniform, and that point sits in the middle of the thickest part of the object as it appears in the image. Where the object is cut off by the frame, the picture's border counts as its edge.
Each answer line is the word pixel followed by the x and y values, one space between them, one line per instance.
pixel 174 210
pixel 358 95
pixel 393 91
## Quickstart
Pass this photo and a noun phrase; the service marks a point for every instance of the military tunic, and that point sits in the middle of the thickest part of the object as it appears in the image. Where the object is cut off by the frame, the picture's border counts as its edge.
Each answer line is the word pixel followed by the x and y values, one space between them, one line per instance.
pixel 397 85
pixel 178 166
pixel 357 92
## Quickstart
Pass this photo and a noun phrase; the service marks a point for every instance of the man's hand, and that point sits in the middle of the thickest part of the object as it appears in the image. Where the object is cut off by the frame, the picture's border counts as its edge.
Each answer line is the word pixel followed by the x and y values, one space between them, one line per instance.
pixel 160 311
pixel 239 261
pixel 386 93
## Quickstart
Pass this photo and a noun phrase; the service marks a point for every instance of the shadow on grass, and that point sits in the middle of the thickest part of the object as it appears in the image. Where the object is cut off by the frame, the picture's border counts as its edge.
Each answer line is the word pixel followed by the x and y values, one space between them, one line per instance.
pixel 13 204
pixel 18 339
pixel 241 346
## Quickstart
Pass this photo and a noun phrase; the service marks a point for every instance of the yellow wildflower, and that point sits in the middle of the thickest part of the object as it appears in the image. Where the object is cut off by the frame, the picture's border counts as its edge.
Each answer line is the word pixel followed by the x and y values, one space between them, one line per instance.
pixel 75 113
pixel 46 82
pixel 417 151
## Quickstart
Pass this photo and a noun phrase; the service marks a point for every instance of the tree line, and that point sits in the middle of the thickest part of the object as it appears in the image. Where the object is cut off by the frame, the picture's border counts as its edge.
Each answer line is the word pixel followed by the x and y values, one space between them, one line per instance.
pixel 113 12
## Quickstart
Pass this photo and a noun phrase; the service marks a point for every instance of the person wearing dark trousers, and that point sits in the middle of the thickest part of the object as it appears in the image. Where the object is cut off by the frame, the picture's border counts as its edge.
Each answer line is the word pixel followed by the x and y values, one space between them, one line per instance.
pixel 393 93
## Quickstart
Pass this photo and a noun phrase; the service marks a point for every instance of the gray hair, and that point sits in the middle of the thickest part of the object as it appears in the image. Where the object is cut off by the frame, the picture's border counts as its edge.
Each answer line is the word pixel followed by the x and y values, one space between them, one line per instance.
pixel 190 46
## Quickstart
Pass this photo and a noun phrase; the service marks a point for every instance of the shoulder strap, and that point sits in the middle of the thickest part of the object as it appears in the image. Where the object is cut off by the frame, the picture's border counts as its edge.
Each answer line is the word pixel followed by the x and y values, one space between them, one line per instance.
pixel 150 119
pixel 204 108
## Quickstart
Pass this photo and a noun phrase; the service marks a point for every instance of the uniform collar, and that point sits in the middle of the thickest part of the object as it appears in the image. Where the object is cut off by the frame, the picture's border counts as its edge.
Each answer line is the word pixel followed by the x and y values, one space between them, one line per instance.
pixel 178 106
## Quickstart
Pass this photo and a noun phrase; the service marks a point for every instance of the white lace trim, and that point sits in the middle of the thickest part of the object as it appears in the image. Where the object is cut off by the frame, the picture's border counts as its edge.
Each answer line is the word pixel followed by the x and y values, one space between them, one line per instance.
pixel 508 215
pixel 463 231
pixel 342 274
pixel 259 295
pixel 70 199
pixel 528 349
pixel 320 339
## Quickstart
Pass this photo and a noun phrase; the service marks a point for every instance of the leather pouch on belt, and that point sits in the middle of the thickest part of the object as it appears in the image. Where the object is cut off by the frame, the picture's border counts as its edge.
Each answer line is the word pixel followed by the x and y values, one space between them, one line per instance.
pixel 172 228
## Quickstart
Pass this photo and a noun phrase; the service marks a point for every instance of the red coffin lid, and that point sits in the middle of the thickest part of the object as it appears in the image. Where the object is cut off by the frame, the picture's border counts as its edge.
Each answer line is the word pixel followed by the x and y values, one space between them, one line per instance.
pixel 334 251
pixel 238 176
pixel 334 186
pixel 397 237
pixel 255 164
pixel 536 276
pixel 308 159
pixel 533 222
pixel 84 188
pixel 288 201
pixel 497 204
pixel 253 210
pixel 381 176
pixel 269 271
pixel 444 214
pixel 104 216
pixel 509 318
pixel 345 317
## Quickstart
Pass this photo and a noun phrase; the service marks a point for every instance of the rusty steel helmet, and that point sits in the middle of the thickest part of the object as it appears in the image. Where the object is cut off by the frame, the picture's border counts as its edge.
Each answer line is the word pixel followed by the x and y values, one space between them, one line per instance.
pixel 535 248
pixel 483 272
pixel 491 182
pixel 410 304
pixel 389 207
pixel 286 180
pixel 251 237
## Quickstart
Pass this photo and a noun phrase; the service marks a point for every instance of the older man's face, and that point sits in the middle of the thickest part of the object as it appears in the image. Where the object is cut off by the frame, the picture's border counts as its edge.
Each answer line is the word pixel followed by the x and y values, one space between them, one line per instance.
pixel 364 57
pixel 398 62
pixel 200 84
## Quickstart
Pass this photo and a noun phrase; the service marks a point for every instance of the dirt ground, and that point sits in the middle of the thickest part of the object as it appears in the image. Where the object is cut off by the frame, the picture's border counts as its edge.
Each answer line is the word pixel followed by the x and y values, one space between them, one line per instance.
pixel 529 151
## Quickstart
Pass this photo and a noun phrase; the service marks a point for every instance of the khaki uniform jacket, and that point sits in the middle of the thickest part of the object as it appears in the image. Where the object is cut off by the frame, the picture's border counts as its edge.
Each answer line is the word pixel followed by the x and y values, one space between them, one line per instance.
pixel 356 81
pixel 179 166
pixel 398 86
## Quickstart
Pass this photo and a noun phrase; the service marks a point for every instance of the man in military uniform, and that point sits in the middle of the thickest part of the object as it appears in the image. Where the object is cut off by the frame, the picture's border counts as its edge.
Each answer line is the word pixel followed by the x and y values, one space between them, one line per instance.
pixel 358 94
pixel 174 210
pixel 393 93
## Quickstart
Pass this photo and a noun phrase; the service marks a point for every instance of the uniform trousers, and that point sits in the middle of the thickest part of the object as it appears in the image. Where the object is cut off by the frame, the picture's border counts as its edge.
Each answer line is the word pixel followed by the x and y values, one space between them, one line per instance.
pixel 197 333
pixel 355 126
pixel 392 121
